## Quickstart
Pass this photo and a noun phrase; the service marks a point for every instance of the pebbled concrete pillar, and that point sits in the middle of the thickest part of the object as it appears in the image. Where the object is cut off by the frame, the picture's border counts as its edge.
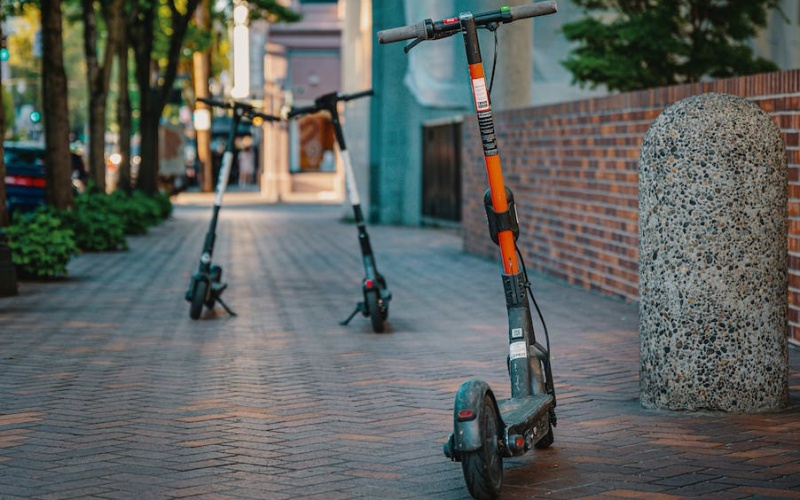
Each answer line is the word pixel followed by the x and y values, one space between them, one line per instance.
pixel 713 258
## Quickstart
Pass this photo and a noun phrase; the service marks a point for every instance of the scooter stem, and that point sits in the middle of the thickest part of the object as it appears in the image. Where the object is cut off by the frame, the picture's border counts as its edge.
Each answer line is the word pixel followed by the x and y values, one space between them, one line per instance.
pixel 483 108
pixel 224 174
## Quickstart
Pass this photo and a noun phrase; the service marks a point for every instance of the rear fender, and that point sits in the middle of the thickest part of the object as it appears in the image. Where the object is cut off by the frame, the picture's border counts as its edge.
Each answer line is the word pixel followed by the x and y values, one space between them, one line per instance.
pixel 467 415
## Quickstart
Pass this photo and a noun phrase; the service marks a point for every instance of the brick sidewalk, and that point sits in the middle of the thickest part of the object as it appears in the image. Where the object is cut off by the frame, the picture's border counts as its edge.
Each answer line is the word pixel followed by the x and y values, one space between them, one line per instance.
pixel 108 389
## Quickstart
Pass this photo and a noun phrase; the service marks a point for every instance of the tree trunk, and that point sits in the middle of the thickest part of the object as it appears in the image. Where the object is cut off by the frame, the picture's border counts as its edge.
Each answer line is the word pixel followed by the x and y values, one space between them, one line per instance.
pixel 8 274
pixel 3 208
pixel 58 167
pixel 155 83
pixel 97 98
pixel 142 43
pixel 97 161
pixel 99 78
pixel 124 116
pixel 147 180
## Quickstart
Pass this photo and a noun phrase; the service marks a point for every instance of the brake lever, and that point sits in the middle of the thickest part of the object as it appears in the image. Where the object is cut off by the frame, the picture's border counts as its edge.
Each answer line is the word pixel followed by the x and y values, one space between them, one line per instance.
pixel 411 45
pixel 417 41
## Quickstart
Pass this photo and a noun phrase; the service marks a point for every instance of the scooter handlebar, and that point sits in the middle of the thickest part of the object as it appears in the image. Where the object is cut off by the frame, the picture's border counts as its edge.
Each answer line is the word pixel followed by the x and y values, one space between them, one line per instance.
pixel 302 111
pixel 249 111
pixel 427 29
pixel 357 95
pixel 252 113
pixel 327 101
pixel 212 102
pixel 416 30
pixel 534 10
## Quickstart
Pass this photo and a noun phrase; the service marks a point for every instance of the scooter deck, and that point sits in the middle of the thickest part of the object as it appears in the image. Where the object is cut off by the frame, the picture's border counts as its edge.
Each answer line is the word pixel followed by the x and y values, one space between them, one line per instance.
pixel 520 414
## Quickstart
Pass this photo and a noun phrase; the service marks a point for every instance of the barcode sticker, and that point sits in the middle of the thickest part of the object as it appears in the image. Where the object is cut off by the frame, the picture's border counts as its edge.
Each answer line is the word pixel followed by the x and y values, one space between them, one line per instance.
pixel 518 350
pixel 480 93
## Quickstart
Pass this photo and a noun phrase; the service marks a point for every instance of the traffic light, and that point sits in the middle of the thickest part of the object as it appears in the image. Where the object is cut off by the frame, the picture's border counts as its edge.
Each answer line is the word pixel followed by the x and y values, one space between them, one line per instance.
pixel 36 116
pixel 4 53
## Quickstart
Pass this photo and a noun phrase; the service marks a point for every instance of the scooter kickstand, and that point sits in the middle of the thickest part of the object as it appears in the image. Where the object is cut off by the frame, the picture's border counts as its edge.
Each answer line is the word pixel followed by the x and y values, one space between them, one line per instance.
pixel 359 308
pixel 225 306
pixel 352 315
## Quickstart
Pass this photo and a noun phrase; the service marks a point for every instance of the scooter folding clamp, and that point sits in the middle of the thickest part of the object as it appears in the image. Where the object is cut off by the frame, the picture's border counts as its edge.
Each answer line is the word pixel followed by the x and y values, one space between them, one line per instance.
pixel 501 221
pixel 514 287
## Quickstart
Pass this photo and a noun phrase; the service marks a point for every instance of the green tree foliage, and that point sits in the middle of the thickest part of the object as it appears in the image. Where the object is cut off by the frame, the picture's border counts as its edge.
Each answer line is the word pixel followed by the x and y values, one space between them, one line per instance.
pixel 272 11
pixel 635 44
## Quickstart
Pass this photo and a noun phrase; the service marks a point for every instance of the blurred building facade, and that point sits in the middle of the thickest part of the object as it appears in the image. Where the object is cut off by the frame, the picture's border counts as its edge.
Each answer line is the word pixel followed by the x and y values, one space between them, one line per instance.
pixel 429 85
pixel 334 48
pixel 303 61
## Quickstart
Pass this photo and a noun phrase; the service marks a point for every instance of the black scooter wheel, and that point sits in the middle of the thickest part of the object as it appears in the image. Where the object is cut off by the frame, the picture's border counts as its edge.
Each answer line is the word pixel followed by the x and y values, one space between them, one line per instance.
pixel 374 311
pixel 385 311
pixel 483 468
pixel 384 302
pixel 198 298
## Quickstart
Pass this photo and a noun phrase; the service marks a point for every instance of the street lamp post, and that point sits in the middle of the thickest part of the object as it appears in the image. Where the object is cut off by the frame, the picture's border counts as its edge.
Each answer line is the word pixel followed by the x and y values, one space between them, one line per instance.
pixel 241 53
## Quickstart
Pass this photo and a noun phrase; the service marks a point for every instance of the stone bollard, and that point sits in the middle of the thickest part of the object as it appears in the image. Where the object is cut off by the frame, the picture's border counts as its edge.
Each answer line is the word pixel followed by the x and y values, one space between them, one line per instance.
pixel 713 258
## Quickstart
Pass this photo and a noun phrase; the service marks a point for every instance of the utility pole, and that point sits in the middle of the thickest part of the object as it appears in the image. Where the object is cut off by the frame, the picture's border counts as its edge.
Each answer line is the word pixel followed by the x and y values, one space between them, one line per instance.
pixel 202 63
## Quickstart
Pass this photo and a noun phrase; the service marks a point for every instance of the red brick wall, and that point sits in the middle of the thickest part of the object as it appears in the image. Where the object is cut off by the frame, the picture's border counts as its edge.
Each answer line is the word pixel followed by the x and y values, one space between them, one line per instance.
pixel 573 168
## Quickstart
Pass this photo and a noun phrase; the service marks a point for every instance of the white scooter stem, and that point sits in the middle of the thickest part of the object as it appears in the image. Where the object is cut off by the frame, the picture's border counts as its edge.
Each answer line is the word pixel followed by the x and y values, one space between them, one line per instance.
pixel 224 174
pixel 350 178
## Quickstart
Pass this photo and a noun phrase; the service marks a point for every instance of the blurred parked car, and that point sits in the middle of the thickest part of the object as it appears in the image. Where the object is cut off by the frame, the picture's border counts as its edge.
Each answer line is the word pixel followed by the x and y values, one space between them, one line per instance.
pixel 25 176
pixel 25 180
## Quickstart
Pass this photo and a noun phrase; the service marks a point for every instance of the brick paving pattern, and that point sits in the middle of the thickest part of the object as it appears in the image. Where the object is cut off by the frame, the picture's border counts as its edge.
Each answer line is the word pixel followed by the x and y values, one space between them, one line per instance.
pixel 108 390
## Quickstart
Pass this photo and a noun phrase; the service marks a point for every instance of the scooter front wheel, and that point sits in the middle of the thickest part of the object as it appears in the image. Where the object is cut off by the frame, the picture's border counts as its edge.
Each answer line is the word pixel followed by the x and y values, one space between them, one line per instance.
pixel 198 298
pixel 374 311
pixel 483 468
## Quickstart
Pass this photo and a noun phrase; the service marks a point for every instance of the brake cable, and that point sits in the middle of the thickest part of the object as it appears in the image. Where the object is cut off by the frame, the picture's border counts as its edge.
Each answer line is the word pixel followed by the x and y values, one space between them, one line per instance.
pixel 490 26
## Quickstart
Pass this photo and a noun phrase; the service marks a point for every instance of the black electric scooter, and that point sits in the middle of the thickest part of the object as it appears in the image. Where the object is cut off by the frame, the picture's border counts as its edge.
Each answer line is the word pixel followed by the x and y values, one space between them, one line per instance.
pixel 205 286
pixel 374 289
pixel 486 429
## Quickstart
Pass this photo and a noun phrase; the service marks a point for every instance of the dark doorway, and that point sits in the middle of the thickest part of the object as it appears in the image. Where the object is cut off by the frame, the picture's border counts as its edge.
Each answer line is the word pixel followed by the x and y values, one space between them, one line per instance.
pixel 441 172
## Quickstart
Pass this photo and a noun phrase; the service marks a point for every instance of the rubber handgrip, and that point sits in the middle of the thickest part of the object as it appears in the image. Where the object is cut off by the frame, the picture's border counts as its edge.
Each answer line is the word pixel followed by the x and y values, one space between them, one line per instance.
pixel 533 10
pixel 357 95
pixel 392 35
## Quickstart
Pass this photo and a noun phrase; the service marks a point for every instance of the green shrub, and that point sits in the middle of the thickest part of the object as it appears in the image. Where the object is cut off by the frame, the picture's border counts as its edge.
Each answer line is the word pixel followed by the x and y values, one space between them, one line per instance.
pixel 41 246
pixel 164 204
pixel 137 211
pixel 97 228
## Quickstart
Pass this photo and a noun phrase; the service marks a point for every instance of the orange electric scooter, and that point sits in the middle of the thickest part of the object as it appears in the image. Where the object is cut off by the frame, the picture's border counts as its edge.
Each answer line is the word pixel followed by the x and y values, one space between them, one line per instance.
pixel 486 429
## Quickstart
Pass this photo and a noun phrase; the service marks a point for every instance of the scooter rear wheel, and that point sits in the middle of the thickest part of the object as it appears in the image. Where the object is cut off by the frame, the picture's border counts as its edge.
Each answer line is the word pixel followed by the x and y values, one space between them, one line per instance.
pixel 546 441
pixel 483 468
pixel 198 298
pixel 374 311
pixel 384 302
